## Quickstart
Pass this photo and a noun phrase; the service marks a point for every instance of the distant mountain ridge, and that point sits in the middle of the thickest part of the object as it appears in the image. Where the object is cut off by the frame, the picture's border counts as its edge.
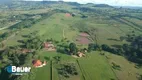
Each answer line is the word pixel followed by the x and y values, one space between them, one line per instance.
pixel 102 5
pixel 69 3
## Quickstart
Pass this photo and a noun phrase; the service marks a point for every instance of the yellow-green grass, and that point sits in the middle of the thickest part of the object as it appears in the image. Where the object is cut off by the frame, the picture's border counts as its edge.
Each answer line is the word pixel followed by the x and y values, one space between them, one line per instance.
pixel 128 70
pixel 95 67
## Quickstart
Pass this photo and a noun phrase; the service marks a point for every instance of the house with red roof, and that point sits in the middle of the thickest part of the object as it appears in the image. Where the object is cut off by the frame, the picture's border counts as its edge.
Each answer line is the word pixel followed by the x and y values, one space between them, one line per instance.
pixel 68 15
pixel 38 63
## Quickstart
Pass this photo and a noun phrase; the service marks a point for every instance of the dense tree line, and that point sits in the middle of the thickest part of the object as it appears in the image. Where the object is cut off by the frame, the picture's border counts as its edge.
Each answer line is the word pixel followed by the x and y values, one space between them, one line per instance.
pixel 93 47
pixel 133 51
pixel 117 51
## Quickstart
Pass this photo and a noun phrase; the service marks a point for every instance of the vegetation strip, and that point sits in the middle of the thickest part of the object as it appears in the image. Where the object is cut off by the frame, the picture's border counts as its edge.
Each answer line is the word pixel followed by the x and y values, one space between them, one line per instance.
pixel 111 67
pixel 51 70
pixel 81 69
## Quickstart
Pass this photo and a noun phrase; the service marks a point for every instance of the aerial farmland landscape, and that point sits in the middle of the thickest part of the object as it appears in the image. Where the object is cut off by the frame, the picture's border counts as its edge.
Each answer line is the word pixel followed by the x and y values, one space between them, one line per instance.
pixel 63 40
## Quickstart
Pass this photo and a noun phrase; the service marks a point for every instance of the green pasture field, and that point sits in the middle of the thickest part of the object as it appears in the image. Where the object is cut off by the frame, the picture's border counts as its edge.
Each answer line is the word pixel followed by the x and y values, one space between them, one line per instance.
pixel 90 70
pixel 95 67
pixel 64 59
pixel 128 69
pixel 43 73
pixel 53 27
pixel 49 28
pixel 92 67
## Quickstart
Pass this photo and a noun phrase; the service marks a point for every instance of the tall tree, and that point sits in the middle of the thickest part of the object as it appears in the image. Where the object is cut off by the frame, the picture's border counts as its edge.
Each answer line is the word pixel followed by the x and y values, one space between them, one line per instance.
pixel 73 48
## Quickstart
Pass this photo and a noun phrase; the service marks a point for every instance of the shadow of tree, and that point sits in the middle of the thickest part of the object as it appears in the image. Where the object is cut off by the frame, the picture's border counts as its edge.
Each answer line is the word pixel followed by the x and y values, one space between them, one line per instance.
pixel 113 39
pixel 116 46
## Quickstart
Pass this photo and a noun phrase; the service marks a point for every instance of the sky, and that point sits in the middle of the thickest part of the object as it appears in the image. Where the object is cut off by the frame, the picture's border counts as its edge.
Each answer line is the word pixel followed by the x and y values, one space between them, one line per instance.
pixel 110 2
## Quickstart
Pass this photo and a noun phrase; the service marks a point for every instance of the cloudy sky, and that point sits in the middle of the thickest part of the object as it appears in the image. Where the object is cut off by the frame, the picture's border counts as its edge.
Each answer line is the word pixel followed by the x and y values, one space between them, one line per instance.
pixel 110 2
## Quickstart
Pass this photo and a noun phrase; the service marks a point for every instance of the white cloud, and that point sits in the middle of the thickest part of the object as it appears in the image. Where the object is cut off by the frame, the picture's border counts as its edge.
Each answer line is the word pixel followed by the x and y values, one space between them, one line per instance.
pixel 110 2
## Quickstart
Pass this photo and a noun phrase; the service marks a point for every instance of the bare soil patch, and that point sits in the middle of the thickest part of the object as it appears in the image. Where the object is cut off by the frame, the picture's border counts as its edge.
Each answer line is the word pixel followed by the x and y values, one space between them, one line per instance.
pixel 83 38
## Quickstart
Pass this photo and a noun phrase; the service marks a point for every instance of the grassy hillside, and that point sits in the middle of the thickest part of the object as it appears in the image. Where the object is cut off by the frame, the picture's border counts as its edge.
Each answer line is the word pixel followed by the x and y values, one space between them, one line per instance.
pixel 128 69
pixel 98 67
pixel 63 23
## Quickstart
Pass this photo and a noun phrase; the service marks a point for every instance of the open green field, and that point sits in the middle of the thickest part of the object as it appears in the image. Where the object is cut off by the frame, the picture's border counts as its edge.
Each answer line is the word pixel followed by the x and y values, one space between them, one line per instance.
pixel 64 59
pixel 49 28
pixel 93 66
pixel 43 73
pixel 53 27
pixel 99 69
pixel 128 69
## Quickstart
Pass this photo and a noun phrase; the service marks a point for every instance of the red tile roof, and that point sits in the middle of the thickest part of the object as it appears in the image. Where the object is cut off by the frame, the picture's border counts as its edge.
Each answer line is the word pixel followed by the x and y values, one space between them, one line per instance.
pixel 37 63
